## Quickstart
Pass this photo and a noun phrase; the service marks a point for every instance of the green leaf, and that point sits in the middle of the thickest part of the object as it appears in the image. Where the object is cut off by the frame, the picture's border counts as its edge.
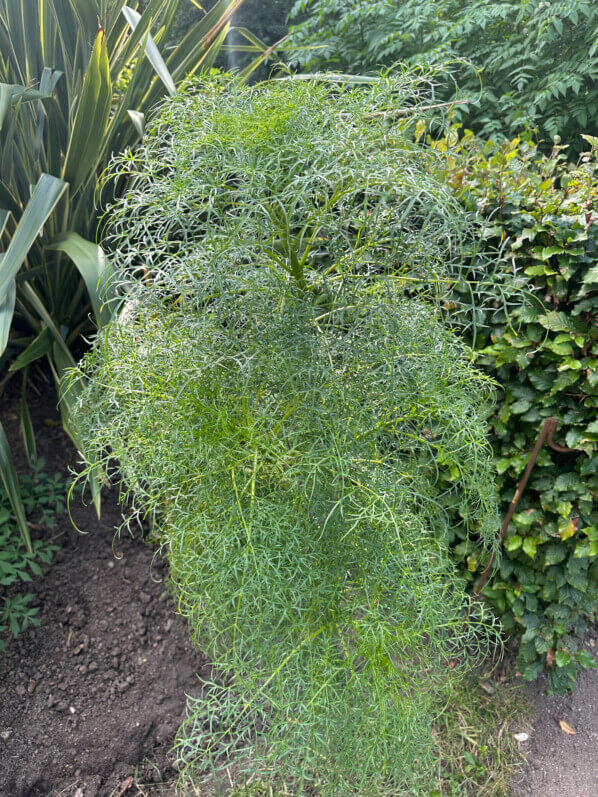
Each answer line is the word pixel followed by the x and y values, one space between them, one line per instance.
pixel 69 389
pixel 503 465
pixel 203 41
pixel 138 120
pixel 564 508
pixel 513 543
pixel 539 271
pixel 90 260
pixel 7 307
pixel 557 322
pixel 549 251
pixel 561 349
pixel 567 530
pixel 26 424
pixel 531 671
pixel 5 101
pixel 45 196
pixel 10 480
pixel 151 51
pixel 586 659
pixel 567 481
pixel 91 119
pixel 521 406
pixel 591 275
pixel 562 658
pixel 35 568
pixel 470 759
pixel 529 546
pixel 39 347
pixel 46 318
pixel 554 554
pixel 11 94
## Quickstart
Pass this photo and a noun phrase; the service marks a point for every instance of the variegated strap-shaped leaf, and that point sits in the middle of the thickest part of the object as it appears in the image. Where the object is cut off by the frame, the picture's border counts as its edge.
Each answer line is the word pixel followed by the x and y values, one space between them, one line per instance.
pixel 9 478
pixel 7 308
pixel 91 119
pixel 151 51
pixel 43 200
pixel 90 259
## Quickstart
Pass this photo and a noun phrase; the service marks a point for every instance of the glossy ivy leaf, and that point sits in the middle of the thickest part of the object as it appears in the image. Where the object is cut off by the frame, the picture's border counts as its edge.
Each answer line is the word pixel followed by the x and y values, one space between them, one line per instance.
pixel 529 546
pixel 586 659
pixel 546 354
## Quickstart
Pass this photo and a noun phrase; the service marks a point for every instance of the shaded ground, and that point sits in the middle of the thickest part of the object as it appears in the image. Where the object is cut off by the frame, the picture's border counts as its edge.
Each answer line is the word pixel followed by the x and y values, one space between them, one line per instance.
pixel 561 764
pixel 99 687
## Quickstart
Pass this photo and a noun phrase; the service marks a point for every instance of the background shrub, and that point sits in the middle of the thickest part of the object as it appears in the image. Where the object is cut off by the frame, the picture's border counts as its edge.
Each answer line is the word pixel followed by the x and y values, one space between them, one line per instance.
pixel 543 213
pixel 539 59
pixel 266 19
pixel 281 396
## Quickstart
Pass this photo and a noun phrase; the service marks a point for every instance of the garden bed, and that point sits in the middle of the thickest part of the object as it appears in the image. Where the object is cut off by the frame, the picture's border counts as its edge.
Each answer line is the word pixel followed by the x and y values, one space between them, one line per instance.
pixel 90 700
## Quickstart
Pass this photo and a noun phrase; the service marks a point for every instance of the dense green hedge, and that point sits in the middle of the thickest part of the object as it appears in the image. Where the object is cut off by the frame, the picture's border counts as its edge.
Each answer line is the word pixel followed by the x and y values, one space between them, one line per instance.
pixel 543 213
pixel 538 59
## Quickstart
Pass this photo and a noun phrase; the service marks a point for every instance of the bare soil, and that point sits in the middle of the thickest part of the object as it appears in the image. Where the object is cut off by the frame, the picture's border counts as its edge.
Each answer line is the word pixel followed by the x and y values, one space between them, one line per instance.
pixel 90 701
pixel 563 764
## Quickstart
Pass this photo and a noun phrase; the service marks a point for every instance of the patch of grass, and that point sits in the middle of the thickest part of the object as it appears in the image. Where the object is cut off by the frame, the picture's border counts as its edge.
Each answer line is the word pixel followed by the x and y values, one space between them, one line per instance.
pixel 261 788
pixel 475 745
pixel 475 749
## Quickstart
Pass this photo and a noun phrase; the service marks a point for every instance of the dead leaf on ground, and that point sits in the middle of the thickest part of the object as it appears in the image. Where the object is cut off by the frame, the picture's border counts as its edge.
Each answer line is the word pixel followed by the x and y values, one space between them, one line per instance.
pixel 125 786
pixel 566 728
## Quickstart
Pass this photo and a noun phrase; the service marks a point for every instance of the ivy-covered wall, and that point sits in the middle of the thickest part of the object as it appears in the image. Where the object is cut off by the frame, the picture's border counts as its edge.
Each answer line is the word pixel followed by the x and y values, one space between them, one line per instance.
pixel 543 213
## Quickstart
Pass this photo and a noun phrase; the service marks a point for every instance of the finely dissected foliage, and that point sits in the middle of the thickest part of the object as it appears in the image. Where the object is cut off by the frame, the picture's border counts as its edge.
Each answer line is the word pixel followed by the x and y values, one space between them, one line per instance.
pixel 539 59
pixel 282 409
pixel 545 356
pixel 319 216
pixel 70 96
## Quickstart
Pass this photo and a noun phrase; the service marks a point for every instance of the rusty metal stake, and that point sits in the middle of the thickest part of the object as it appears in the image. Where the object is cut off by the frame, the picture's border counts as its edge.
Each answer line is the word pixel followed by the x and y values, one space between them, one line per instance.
pixel 546 434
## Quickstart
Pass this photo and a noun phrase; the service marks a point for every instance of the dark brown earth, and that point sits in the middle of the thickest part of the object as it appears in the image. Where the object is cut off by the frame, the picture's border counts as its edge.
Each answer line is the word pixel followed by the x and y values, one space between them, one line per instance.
pixel 91 700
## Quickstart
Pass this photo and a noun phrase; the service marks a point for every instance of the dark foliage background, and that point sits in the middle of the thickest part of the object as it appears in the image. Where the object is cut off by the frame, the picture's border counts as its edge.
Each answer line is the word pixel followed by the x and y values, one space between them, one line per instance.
pixel 542 213
pixel 266 19
pixel 538 60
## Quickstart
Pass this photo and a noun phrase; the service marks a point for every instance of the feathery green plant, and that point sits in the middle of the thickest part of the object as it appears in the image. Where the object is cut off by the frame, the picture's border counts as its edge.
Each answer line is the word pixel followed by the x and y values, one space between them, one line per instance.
pixel 280 395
